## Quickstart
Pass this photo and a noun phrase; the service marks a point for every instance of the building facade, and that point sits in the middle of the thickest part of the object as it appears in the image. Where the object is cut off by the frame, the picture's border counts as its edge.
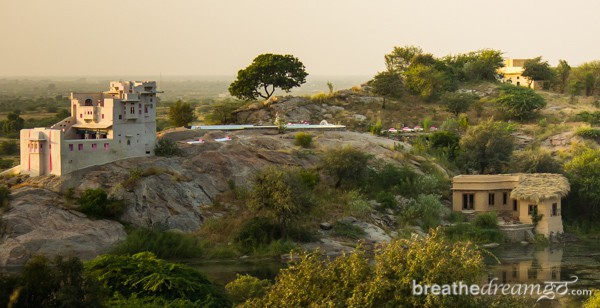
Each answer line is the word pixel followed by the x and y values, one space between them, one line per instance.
pixel 512 73
pixel 520 196
pixel 103 127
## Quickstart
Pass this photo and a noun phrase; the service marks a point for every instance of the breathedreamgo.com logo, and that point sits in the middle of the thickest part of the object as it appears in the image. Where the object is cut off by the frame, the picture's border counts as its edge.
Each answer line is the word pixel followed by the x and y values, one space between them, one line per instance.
pixel 545 290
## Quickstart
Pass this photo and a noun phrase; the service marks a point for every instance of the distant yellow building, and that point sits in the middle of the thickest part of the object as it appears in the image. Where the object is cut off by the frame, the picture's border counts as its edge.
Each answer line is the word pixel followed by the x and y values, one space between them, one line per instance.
pixel 515 195
pixel 512 73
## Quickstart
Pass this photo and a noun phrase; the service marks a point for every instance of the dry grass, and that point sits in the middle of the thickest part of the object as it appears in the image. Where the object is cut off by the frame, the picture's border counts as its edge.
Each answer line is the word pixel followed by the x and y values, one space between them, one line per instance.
pixel 541 186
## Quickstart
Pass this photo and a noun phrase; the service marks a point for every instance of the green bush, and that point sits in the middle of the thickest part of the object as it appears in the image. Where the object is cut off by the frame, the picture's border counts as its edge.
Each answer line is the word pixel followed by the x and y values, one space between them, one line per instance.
pixel 468 232
pixel 167 147
pixel 589 133
pixel 9 147
pixel 245 287
pixel 426 211
pixel 387 200
pixel 164 244
pixel 348 166
pixel 256 232
pixel 309 178
pixel 303 139
pixel 5 163
pixel 348 230
pixel 519 102
pixel 146 276
pixel 95 203
pixel 357 205
pixel 4 197
pixel 487 220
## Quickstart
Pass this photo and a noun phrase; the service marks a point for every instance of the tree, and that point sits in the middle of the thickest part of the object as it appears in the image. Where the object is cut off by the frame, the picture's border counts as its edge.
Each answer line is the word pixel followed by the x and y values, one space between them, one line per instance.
pixel 476 65
pixel 519 102
pixel 583 172
pixel 14 123
pixel 535 161
pixel 457 102
pixel 346 165
pixel 280 194
pixel 267 72
pixel 536 70
pixel 388 84
pixel 426 81
pixel 401 57
pixel 181 114
pixel 562 73
pixel 222 112
pixel 487 147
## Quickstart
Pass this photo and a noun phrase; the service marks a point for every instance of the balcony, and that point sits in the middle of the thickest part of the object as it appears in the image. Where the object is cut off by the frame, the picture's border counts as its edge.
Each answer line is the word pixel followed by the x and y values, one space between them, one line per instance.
pixel 88 112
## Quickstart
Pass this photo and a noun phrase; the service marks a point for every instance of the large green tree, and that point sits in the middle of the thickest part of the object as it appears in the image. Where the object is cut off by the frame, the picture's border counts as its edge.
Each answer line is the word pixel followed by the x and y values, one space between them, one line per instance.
pixel 563 70
pixel 487 147
pixel 387 84
pixel 519 102
pixel 267 72
pixel 426 81
pixel 181 114
pixel 583 172
pixel 401 57
pixel 537 70
pixel 14 123
pixel 458 102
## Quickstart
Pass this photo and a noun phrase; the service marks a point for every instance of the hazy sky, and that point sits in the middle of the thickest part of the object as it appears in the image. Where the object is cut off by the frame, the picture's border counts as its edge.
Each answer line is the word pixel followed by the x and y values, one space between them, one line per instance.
pixel 331 37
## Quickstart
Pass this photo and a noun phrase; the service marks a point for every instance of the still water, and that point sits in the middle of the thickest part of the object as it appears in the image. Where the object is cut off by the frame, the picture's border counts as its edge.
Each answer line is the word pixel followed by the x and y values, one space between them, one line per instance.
pixel 510 264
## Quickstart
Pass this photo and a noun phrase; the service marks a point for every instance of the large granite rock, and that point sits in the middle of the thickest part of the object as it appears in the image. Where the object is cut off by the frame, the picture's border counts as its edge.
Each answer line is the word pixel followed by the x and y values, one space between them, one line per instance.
pixel 38 224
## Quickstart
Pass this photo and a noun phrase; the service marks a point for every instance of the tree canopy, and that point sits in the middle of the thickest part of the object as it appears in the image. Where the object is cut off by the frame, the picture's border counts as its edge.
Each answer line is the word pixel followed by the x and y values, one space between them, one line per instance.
pixel 563 70
pixel 267 72
pixel 181 114
pixel 457 102
pixel 519 102
pixel 537 69
pixel 487 147
pixel 387 83
pixel 583 172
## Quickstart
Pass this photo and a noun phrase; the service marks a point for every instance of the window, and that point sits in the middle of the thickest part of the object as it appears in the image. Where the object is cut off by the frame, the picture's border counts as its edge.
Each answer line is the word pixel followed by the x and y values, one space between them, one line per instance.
pixel 94 147
pixel 554 209
pixel 106 146
pixel 533 209
pixel 515 205
pixel 81 115
pixel 491 199
pixel 132 110
pixel 103 116
pixel 128 142
pixel 504 198
pixel 71 147
pixel 468 200
pixel 145 109
pixel 80 147
pixel 120 117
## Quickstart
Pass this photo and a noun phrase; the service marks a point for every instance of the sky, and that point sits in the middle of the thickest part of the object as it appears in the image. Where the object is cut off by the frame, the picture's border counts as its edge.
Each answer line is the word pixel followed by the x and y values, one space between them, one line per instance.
pixel 331 37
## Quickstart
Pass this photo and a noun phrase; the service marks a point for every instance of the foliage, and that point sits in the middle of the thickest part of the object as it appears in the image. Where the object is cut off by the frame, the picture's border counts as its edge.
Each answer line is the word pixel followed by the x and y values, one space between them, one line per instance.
pixel 400 58
pixel 426 211
pixel 593 301
pixel 357 205
pixel 246 287
pixel 346 165
pixel 487 148
pixel 350 280
pixel 585 116
pixel 387 83
pixel 519 102
pixel 57 283
pixel 458 102
pixel 167 147
pixel 426 81
pixel 463 231
pixel 267 72
pixel 589 133
pixel 562 72
pixel 535 161
pixel 376 129
pixel 9 147
pixel 583 172
pixel 446 141
pixel 164 244
pixel 476 65
pixel 13 124
pixel 347 230
pixel 487 220
pixel 256 232
pixel 144 275
pixel 536 69
pixel 222 112
pixel 4 197
pixel 585 77
pixel 303 139
pixel 330 87
pixel 281 195
pixel 450 125
pixel 95 203
pixel 181 114
pixel 5 163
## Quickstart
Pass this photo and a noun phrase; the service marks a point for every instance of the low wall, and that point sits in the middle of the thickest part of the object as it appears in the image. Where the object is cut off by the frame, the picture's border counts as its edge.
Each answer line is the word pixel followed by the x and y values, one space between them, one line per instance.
pixel 516 233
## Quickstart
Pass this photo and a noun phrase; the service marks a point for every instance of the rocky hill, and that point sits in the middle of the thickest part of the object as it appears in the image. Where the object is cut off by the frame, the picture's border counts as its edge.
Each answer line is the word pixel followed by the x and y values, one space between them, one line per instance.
pixel 172 193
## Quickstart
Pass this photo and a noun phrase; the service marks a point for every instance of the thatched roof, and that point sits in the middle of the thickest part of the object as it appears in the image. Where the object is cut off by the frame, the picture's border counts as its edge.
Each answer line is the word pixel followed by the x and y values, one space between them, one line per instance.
pixel 540 186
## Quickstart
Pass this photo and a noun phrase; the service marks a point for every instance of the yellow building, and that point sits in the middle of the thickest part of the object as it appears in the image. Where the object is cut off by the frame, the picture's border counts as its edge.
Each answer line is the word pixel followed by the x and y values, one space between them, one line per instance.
pixel 519 196
pixel 512 73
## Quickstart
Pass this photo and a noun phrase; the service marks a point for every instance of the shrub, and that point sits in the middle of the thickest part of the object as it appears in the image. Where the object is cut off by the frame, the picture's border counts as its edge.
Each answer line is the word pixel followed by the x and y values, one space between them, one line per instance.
pixel 146 276
pixel 589 133
pixel 95 203
pixel 487 220
pixel 593 301
pixel 468 232
pixel 348 230
pixel 167 147
pixel 303 139
pixel 9 147
pixel 164 244
pixel 357 205
pixel 256 232
pixel 347 165
pixel 519 102
pixel 387 200
pixel 309 178
pixel 5 163
pixel 245 287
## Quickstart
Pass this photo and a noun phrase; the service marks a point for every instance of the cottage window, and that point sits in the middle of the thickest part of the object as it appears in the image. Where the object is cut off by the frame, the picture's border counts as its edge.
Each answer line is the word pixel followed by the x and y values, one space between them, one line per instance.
pixel 515 205
pixel 505 198
pixel 468 201
pixel 491 199
pixel 554 209
pixel 71 147
pixel 120 117
pixel 533 209
pixel 106 146
pixel 94 146
pixel 80 147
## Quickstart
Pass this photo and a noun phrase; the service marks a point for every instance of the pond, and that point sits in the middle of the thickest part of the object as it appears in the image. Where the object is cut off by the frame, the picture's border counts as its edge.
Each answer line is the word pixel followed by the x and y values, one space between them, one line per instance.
pixel 512 264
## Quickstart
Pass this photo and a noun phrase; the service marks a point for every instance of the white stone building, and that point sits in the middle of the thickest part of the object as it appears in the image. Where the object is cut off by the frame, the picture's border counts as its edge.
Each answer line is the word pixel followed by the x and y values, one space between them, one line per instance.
pixel 103 127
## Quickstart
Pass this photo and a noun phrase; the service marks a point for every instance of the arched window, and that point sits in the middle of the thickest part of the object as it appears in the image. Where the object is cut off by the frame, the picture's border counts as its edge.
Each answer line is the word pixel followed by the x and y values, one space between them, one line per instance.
pixel 88 102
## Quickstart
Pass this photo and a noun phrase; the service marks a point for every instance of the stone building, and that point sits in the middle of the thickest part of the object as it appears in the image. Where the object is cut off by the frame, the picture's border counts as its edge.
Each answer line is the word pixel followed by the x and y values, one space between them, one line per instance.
pixel 520 196
pixel 103 127
pixel 512 73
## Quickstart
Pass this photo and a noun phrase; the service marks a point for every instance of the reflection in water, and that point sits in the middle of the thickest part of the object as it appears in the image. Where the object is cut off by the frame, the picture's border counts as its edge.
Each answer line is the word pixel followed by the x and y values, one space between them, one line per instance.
pixel 525 264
